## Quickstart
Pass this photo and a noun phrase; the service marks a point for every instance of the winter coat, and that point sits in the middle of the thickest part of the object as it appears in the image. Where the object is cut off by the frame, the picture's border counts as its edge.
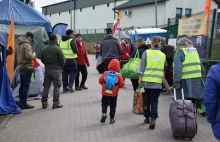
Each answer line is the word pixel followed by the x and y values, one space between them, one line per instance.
pixel 194 87
pixel 113 67
pixel 212 99
pixel 82 58
pixel 24 55
pixel 126 51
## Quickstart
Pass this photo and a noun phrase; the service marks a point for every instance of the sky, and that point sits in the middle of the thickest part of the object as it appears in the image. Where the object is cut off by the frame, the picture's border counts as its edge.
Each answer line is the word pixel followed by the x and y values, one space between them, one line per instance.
pixel 40 3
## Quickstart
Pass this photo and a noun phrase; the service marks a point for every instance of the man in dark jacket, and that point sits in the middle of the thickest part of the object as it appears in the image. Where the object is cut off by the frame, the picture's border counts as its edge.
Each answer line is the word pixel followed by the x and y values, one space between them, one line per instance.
pixel 110 49
pixel 68 46
pixel 54 60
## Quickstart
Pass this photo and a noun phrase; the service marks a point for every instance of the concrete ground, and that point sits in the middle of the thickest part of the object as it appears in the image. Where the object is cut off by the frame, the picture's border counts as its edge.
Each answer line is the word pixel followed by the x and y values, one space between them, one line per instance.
pixel 78 120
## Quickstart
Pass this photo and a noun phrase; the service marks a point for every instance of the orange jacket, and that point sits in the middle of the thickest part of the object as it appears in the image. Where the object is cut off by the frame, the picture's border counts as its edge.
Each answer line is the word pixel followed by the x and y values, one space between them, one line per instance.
pixel 113 67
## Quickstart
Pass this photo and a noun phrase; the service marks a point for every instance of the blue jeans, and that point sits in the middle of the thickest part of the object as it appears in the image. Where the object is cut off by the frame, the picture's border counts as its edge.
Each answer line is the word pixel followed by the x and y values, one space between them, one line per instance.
pixel 25 77
pixel 69 75
pixel 97 55
pixel 150 102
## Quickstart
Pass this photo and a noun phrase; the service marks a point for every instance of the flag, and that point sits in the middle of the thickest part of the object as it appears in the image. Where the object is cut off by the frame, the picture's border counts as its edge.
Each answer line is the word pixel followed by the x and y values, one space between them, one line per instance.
pixel 120 15
pixel 116 26
pixel 10 46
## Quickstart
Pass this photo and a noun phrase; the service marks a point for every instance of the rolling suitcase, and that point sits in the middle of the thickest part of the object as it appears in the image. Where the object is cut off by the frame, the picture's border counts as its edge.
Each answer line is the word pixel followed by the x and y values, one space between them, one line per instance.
pixel 183 118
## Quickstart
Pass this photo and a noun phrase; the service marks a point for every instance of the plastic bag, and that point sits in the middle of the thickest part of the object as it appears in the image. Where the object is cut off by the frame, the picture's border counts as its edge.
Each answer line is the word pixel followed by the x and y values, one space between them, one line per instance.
pixel 130 69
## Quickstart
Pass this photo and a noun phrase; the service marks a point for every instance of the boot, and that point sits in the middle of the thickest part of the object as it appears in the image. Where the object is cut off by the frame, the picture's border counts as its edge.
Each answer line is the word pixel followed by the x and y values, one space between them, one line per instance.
pixel 147 120
pixel 112 121
pixel 152 123
pixel 84 87
pixel 57 105
pixel 78 88
pixel 103 118
pixel 65 90
pixel 70 89
pixel 45 105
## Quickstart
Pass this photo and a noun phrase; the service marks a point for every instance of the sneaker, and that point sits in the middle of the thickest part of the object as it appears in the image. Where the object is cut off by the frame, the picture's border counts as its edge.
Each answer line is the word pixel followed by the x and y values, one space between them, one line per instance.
pixel 152 123
pixel 112 121
pixel 84 87
pixel 103 118
pixel 27 106
pixel 147 120
pixel 78 88
pixel 57 105
pixel 45 105
pixel 70 89
pixel 65 90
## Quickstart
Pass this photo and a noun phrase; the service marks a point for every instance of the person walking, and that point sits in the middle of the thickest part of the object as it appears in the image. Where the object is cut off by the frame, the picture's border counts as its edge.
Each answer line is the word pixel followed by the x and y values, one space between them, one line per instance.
pixel 151 73
pixel 24 59
pixel 82 63
pixel 110 49
pixel 111 82
pixel 97 49
pixel 211 99
pixel 69 49
pixel 188 71
pixel 54 60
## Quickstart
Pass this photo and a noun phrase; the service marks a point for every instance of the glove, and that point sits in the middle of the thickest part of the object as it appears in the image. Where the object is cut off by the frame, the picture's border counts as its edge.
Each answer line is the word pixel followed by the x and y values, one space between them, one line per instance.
pixel 177 85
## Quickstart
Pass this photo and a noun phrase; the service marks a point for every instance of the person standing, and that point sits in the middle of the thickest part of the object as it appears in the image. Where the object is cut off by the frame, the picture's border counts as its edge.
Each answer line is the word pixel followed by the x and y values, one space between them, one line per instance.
pixel 82 63
pixel 69 49
pixel 188 71
pixel 54 60
pixel 211 99
pixel 151 73
pixel 126 49
pixel 97 49
pixel 110 49
pixel 24 59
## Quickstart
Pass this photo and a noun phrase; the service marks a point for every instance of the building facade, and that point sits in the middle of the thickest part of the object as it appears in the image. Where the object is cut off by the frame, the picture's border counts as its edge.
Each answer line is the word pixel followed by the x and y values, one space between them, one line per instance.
pixel 83 14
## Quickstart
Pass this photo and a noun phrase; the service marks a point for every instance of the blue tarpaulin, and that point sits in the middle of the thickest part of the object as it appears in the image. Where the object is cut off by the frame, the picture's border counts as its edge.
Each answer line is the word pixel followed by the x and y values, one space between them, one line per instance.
pixel 7 102
pixel 60 29
pixel 24 15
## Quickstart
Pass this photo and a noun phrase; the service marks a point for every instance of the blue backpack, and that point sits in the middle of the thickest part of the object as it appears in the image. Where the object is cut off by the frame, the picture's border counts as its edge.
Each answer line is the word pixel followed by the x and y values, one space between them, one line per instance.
pixel 111 80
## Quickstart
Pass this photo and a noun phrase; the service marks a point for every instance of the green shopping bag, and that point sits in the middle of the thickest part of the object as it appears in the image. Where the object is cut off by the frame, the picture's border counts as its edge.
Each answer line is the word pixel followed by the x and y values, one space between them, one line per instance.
pixel 130 69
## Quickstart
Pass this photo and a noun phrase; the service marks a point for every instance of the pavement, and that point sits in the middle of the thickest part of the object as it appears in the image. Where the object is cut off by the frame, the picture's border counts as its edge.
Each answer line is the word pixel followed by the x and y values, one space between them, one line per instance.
pixel 78 120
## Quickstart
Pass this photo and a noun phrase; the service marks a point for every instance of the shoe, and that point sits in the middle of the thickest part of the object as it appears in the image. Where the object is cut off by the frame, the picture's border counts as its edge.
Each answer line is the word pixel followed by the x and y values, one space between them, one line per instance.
pixel 152 123
pixel 147 120
pixel 78 88
pixel 45 105
pixel 65 90
pixel 27 106
pixel 56 105
pixel 70 89
pixel 84 87
pixel 112 121
pixel 103 118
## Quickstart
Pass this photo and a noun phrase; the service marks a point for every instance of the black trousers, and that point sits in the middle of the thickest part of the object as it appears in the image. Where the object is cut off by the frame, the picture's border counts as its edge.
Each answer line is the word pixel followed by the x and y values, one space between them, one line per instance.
pixel 134 84
pixel 83 70
pixel 109 101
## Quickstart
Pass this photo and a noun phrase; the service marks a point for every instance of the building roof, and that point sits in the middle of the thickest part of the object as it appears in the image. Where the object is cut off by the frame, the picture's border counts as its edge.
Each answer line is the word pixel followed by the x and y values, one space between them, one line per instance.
pixel 55 4
pixel 135 3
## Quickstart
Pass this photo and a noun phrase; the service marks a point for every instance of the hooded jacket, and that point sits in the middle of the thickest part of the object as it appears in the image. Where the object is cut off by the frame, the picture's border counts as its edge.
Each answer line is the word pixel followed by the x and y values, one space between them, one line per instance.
pixel 113 67
pixel 24 55
pixel 82 58
pixel 126 49
pixel 212 99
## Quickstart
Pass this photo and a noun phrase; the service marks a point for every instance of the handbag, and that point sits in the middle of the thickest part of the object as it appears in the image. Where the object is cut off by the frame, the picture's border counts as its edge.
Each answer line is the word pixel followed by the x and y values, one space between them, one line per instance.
pixel 130 69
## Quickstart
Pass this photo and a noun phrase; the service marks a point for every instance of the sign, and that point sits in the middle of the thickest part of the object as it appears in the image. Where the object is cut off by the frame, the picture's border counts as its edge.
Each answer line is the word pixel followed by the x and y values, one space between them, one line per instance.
pixel 193 26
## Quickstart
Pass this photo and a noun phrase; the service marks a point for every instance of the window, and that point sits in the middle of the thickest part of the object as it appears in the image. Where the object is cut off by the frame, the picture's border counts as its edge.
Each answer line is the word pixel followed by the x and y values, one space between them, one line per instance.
pixel 188 12
pixel 80 9
pixel 178 14
pixel 107 4
pixel 93 7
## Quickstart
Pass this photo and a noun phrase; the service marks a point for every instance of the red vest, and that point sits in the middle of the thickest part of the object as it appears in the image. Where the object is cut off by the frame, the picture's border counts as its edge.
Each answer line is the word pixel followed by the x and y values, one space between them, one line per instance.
pixel 126 52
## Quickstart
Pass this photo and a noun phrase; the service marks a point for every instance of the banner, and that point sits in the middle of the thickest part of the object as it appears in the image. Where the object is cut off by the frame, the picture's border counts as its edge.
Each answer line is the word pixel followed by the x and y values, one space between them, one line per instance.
pixel 193 26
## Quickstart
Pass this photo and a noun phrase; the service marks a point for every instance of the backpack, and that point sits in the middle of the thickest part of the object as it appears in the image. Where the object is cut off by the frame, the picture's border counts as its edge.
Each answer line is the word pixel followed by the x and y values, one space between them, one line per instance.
pixel 168 50
pixel 110 81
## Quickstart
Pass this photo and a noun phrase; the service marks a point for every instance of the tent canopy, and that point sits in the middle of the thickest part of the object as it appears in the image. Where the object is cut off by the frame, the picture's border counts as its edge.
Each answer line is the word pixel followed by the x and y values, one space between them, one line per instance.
pixel 3 37
pixel 23 14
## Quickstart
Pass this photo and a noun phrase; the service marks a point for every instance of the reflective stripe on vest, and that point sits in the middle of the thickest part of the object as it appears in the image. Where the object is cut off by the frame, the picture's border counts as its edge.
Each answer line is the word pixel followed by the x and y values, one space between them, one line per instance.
pixel 67 50
pixel 154 71
pixel 191 65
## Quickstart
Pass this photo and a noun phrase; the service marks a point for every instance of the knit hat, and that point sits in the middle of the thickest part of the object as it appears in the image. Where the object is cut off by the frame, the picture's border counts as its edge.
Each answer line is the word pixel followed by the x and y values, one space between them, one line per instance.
pixel 127 37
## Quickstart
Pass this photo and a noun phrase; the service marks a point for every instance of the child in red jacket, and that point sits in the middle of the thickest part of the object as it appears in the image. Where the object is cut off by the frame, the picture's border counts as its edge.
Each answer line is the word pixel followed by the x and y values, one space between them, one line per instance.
pixel 111 82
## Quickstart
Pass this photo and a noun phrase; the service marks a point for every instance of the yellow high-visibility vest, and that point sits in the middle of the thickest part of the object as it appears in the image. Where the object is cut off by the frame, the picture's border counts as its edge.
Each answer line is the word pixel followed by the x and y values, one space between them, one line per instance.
pixel 154 71
pixel 191 67
pixel 67 50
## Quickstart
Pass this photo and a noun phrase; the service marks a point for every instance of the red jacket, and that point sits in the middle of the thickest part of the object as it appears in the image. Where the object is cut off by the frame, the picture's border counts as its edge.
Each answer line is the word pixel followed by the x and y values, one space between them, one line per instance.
pixel 82 58
pixel 126 51
pixel 113 67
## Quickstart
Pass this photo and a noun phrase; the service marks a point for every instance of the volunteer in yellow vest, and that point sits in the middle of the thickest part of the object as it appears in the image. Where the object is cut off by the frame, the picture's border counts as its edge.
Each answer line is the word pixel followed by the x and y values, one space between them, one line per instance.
pixel 188 71
pixel 151 72
pixel 69 49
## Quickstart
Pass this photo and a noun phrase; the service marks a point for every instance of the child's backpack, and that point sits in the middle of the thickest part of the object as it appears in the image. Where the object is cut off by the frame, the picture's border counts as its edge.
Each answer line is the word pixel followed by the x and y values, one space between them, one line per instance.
pixel 111 80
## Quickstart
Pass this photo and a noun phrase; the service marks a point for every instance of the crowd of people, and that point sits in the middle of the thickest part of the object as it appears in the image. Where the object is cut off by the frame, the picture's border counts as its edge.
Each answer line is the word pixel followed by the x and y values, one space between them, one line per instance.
pixel 161 66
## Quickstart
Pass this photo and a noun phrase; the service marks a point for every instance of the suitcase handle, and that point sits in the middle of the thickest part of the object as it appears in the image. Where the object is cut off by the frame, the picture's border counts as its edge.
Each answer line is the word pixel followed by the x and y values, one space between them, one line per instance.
pixel 174 90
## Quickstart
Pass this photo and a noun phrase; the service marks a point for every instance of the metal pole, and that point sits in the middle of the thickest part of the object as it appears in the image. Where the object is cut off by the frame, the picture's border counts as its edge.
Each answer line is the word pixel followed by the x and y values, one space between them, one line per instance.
pixel 74 28
pixel 71 15
pixel 212 33
pixel 168 30
pixel 156 13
